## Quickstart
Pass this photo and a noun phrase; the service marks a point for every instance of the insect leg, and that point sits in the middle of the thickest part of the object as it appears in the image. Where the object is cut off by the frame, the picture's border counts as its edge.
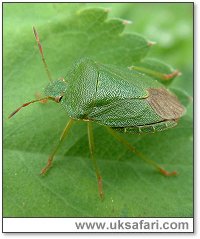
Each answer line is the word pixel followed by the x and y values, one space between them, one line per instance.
pixel 139 154
pixel 91 147
pixel 159 75
pixel 63 135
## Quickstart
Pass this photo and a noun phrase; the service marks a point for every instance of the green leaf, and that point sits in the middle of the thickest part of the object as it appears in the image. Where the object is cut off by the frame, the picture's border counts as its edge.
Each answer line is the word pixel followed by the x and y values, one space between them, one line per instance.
pixel 132 188
pixel 183 96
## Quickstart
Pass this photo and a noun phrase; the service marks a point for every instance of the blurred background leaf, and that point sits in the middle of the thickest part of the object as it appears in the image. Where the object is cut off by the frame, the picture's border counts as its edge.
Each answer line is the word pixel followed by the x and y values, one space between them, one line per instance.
pixel 132 188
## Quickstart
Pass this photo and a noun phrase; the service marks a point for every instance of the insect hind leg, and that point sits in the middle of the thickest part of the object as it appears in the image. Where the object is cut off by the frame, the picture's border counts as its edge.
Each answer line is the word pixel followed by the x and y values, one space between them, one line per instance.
pixel 139 154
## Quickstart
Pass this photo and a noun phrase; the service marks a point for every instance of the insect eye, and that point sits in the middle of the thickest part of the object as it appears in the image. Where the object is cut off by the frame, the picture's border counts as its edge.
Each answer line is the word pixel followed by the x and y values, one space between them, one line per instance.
pixel 58 98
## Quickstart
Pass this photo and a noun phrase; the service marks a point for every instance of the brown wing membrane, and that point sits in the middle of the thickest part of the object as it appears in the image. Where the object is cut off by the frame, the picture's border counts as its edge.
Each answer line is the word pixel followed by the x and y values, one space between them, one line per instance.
pixel 165 103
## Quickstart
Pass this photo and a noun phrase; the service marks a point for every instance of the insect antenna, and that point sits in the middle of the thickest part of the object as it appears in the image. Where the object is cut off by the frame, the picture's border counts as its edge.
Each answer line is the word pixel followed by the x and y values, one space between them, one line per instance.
pixel 30 102
pixel 42 54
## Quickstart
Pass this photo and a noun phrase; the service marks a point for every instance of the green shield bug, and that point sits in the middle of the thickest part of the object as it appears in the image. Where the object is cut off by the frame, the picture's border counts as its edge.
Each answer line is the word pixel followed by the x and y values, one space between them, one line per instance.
pixel 122 99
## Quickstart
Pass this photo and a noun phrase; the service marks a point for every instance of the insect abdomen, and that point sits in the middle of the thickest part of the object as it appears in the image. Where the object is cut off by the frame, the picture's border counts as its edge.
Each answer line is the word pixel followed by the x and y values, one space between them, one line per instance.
pixel 147 128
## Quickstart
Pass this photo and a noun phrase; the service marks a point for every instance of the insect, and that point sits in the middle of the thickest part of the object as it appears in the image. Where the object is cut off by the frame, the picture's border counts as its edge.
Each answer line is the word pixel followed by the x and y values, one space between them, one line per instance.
pixel 122 99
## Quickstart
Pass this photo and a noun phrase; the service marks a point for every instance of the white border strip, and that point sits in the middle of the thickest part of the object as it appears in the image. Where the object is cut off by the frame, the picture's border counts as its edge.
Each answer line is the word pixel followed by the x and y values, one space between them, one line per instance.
pixel 97 224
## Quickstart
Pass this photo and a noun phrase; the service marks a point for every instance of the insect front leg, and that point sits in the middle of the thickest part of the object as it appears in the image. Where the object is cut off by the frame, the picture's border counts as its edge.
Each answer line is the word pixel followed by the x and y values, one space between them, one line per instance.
pixel 91 147
pixel 51 157
pixel 139 154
